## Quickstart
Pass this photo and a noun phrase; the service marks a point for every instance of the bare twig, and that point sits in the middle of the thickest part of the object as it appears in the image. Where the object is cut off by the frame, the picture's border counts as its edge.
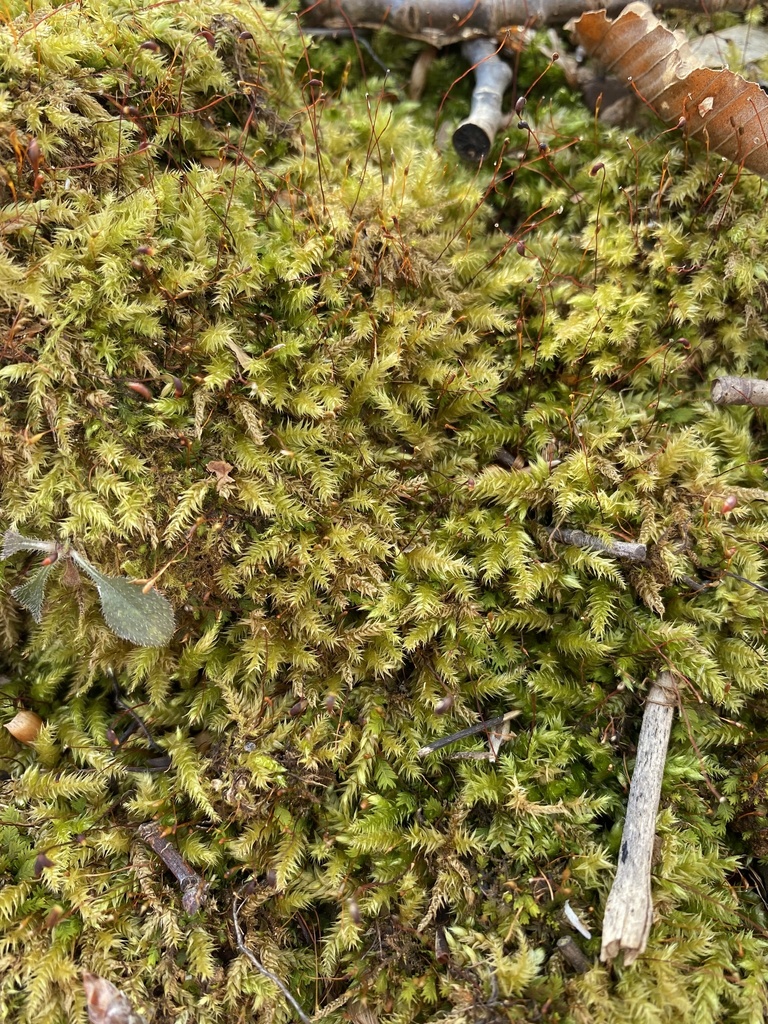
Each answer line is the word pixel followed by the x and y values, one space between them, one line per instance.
pixel 237 903
pixel 474 136
pixel 629 910
pixel 442 22
pixel 570 952
pixel 618 548
pixel 739 391
pixel 191 884
pixel 462 734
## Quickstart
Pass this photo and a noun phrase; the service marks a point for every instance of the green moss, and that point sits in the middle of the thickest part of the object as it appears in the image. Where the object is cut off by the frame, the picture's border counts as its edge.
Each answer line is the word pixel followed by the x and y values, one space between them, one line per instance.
pixel 319 298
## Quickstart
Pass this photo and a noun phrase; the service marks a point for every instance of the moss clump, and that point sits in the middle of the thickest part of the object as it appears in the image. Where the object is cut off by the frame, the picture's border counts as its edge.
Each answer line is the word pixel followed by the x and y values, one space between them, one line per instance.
pixel 332 340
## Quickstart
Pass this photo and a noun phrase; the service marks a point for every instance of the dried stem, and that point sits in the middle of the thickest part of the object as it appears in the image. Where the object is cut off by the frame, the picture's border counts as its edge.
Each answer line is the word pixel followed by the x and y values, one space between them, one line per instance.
pixel 618 548
pixel 462 734
pixel 442 22
pixel 629 910
pixel 237 903
pixel 474 136
pixel 739 391
pixel 191 884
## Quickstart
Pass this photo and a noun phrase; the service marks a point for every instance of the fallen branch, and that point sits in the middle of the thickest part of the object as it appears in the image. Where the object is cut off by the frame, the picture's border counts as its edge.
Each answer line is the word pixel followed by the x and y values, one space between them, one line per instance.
pixel 739 391
pixel 629 909
pixel 474 137
pixel 443 22
pixel 618 548
pixel 191 884
pixel 237 903
pixel 462 734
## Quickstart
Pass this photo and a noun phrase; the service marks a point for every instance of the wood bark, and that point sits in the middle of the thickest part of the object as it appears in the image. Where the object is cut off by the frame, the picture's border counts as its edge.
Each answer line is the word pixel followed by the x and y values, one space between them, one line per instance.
pixel 629 909
pixel 739 391
pixel 442 22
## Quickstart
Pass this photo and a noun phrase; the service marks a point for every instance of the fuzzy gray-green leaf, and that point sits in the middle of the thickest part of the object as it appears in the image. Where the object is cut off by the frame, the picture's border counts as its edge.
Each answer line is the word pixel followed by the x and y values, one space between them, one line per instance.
pixel 32 593
pixel 14 542
pixel 144 619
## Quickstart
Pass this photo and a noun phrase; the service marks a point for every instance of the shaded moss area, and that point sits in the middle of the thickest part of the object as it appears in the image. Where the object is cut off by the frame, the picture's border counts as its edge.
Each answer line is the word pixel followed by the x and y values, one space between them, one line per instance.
pixel 334 327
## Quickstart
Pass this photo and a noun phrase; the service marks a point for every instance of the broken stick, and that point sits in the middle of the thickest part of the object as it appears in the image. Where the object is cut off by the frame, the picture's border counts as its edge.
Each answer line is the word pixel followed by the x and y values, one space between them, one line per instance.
pixel 629 910
pixel 462 734
pixel 630 551
pixel 739 391
pixel 443 22
pixel 474 136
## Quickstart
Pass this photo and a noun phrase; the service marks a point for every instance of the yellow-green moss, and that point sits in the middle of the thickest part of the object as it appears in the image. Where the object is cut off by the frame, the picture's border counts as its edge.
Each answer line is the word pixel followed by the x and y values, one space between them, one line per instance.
pixel 319 298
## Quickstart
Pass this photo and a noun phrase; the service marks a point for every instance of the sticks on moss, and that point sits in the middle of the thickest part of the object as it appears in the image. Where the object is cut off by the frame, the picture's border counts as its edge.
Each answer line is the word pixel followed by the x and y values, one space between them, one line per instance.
pixel 629 551
pixel 629 910
pixel 237 903
pixel 462 734
pixel 191 884
pixel 739 391
pixel 442 22
pixel 474 137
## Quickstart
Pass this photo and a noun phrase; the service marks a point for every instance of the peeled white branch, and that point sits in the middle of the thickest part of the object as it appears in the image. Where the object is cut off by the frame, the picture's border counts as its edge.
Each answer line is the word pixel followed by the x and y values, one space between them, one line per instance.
pixel 474 136
pixel 629 910
pixel 739 391
pixel 442 22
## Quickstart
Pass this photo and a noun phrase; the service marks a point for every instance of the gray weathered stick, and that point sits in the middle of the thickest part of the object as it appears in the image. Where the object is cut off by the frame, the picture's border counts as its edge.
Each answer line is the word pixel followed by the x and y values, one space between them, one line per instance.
pixel 629 910
pixel 739 391
pixel 618 548
pixel 442 22
pixel 474 136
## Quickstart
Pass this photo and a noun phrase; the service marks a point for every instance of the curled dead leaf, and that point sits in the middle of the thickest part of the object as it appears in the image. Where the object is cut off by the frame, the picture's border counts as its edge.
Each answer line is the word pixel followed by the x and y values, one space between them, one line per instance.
pixel 221 470
pixel 717 107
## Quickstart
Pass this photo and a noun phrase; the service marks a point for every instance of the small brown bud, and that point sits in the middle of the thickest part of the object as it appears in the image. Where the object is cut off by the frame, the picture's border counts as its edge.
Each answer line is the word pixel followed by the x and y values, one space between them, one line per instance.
pixel 42 861
pixel 354 911
pixel 34 153
pixel 55 914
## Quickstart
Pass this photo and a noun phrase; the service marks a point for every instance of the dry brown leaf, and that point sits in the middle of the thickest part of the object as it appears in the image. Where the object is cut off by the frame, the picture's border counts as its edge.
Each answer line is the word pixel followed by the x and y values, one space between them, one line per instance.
pixel 221 470
pixel 107 1004
pixel 720 108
